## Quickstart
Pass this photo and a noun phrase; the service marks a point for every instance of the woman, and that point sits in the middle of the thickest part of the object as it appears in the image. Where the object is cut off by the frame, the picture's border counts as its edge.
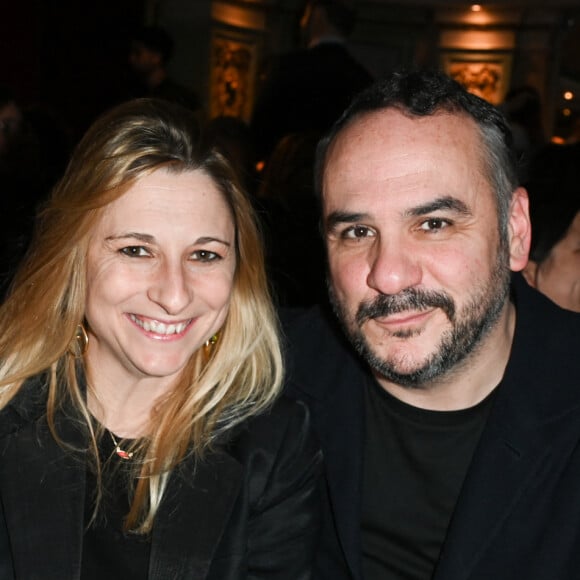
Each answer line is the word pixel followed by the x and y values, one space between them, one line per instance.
pixel 139 365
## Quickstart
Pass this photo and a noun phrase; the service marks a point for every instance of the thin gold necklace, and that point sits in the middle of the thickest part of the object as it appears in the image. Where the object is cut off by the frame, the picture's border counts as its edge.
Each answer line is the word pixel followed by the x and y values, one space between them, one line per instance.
pixel 125 455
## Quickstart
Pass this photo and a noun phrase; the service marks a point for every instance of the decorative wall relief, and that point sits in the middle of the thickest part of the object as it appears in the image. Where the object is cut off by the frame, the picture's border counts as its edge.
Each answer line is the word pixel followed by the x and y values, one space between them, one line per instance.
pixel 233 64
pixel 486 75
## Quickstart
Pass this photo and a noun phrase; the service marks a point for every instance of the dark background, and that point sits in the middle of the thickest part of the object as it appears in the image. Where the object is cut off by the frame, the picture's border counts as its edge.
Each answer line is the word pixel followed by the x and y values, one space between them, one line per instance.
pixel 68 55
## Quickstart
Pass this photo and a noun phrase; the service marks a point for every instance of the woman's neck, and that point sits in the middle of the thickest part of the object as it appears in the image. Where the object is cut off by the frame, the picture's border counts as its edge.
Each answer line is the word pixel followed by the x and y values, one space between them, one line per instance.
pixel 123 408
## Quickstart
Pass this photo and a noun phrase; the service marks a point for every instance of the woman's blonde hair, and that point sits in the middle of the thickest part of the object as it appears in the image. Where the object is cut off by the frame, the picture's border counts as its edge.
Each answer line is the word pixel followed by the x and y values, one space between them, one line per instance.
pixel 45 305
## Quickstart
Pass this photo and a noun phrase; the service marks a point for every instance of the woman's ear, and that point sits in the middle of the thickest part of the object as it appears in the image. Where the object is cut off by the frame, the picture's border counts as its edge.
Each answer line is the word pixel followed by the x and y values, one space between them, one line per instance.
pixel 530 273
pixel 519 230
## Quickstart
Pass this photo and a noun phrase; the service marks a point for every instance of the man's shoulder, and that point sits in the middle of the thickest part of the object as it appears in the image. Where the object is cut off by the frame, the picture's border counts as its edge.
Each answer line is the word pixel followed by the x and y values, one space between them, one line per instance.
pixel 541 324
pixel 306 330
pixel 318 356
pixel 26 407
pixel 542 377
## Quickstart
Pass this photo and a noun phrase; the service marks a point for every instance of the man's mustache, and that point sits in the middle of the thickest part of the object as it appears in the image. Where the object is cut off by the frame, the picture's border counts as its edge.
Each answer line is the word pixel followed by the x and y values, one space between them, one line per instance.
pixel 410 299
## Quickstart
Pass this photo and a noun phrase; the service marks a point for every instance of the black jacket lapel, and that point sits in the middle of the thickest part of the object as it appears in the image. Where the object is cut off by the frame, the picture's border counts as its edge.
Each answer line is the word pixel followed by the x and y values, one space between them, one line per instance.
pixel 532 428
pixel 42 488
pixel 343 448
pixel 192 516
pixel 327 375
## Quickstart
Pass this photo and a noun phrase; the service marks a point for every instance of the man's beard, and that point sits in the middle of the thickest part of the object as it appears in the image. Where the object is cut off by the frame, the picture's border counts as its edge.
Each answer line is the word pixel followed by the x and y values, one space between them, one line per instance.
pixel 468 327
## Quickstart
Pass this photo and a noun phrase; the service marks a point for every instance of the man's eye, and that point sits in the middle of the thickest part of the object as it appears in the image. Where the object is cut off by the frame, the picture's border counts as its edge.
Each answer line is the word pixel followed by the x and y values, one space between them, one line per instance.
pixel 134 251
pixel 205 256
pixel 433 224
pixel 356 232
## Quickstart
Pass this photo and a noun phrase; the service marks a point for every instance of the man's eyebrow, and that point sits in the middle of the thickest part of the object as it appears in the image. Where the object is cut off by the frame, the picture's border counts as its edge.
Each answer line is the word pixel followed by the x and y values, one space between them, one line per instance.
pixel 342 217
pixel 447 202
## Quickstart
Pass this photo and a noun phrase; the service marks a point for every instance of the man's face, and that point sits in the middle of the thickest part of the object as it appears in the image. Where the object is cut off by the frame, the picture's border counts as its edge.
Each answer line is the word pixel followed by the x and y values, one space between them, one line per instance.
pixel 143 60
pixel 418 273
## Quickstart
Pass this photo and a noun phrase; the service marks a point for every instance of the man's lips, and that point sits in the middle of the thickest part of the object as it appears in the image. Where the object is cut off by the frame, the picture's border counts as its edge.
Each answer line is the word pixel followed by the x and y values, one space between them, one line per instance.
pixel 404 318
pixel 412 303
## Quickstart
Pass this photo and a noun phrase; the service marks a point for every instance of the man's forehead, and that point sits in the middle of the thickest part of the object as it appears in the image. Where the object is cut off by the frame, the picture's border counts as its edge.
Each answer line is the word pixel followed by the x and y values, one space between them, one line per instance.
pixel 381 123
pixel 370 134
pixel 417 158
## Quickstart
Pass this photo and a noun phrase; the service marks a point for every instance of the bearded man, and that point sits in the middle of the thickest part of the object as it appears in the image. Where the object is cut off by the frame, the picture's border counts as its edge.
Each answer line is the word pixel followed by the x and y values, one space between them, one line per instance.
pixel 450 417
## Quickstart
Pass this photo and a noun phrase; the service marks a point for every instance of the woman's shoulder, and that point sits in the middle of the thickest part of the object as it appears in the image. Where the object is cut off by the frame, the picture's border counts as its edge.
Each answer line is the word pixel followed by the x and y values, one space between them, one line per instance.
pixel 283 429
pixel 27 406
pixel 278 452
pixel 284 414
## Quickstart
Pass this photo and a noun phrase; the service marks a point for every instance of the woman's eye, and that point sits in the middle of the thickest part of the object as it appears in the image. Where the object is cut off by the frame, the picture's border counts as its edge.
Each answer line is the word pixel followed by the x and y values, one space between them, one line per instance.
pixel 433 224
pixel 134 251
pixel 356 232
pixel 205 256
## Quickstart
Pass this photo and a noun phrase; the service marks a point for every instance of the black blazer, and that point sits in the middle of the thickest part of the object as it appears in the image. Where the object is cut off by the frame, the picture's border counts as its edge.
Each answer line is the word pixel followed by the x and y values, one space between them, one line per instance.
pixel 250 510
pixel 518 514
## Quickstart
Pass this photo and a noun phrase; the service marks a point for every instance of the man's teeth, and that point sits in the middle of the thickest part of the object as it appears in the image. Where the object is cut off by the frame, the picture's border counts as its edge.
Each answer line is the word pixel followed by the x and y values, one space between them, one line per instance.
pixel 160 327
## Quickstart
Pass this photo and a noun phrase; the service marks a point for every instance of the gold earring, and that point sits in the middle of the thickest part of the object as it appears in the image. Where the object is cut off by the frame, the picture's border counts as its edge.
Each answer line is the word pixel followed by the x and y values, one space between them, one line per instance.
pixel 80 343
pixel 208 346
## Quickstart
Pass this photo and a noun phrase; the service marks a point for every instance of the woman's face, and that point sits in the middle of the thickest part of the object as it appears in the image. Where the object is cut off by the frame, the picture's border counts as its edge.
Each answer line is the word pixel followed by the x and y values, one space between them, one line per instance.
pixel 558 275
pixel 160 272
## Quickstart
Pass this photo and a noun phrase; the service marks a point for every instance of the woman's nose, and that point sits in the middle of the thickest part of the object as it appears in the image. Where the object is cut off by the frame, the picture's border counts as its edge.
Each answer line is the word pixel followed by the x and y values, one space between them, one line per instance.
pixel 171 288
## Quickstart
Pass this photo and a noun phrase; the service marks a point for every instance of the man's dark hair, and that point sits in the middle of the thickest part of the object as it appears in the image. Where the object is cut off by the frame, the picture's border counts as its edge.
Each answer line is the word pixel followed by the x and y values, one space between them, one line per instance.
pixel 156 39
pixel 420 93
pixel 340 13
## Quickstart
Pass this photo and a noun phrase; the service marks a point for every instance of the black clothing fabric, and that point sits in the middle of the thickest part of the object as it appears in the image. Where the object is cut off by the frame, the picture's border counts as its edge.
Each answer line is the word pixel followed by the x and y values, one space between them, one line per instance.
pixel 306 90
pixel 415 461
pixel 169 90
pixel 518 512
pixel 108 551
pixel 249 510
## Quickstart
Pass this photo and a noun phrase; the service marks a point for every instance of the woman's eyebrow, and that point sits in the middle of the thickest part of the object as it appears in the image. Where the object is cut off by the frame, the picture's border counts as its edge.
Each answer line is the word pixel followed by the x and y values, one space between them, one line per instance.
pixel 147 238
pixel 209 239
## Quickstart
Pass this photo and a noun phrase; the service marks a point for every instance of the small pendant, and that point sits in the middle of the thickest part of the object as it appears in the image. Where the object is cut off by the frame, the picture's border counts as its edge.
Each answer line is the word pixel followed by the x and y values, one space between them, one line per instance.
pixel 123 454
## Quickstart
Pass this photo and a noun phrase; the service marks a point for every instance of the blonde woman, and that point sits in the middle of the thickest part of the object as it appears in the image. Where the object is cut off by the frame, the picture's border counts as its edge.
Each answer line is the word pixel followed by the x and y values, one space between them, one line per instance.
pixel 141 432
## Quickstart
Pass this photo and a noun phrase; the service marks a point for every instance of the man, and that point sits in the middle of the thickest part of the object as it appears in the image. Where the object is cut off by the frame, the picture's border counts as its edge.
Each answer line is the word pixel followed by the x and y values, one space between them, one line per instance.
pixel 307 89
pixel 451 430
pixel 151 49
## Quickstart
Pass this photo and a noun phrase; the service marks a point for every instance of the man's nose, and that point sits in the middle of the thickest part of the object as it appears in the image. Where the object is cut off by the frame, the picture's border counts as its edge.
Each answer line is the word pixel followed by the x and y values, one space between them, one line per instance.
pixel 393 267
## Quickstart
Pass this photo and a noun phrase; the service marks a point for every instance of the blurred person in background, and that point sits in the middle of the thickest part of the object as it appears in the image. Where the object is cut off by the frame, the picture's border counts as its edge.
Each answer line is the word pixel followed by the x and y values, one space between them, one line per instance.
pixel 307 89
pixel 554 264
pixel 151 49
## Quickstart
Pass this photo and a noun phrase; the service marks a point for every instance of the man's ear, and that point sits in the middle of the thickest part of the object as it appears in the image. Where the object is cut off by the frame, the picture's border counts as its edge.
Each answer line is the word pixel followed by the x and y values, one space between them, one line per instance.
pixel 519 230
pixel 530 273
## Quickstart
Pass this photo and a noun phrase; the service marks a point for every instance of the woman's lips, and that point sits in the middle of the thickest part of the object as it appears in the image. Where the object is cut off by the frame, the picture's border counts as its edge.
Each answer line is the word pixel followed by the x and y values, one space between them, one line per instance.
pixel 159 328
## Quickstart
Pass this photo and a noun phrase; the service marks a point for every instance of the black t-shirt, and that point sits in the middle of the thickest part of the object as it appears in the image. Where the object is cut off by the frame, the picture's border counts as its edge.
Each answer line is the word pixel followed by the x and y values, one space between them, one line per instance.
pixel 415 463
pixel 108 551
